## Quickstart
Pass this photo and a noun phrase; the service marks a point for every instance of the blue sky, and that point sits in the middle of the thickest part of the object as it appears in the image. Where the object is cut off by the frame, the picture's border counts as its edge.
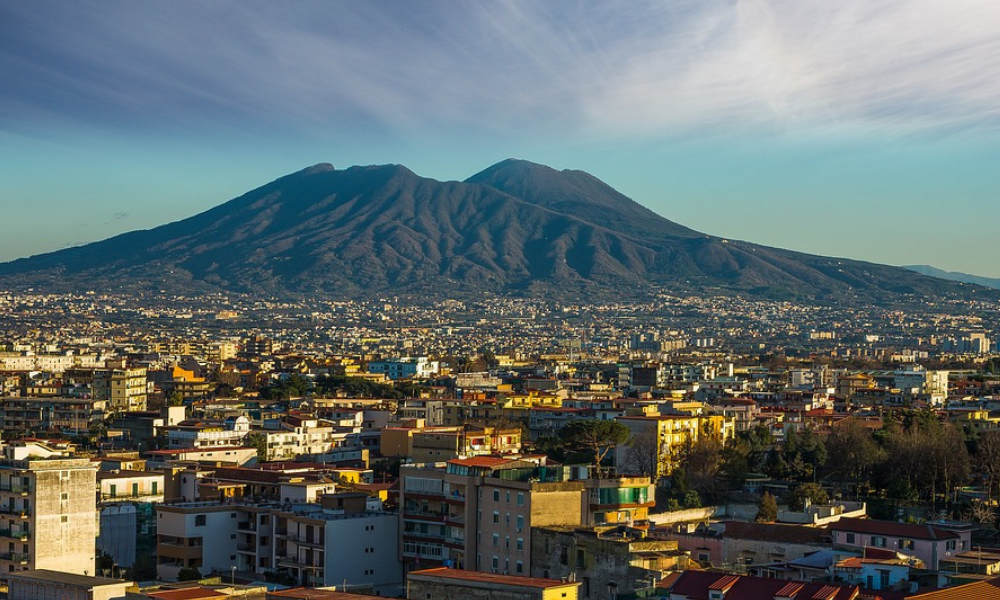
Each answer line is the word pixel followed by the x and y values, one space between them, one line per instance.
pixel 860 128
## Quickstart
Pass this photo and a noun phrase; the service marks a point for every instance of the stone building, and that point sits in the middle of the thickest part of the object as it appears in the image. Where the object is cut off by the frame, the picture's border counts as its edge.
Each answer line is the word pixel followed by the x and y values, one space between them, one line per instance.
pixel 432 584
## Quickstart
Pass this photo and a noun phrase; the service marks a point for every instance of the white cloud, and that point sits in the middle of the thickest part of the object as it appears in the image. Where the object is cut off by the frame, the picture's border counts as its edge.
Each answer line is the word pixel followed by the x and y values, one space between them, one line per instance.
pixel 594 68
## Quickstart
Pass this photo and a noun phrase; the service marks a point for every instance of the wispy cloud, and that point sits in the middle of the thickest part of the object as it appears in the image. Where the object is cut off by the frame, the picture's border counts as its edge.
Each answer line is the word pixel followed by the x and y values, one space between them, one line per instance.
pixel 635 68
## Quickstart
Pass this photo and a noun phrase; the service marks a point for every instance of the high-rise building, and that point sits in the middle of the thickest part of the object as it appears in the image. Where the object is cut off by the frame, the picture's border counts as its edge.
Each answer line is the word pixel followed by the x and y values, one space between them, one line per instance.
pixel 47 511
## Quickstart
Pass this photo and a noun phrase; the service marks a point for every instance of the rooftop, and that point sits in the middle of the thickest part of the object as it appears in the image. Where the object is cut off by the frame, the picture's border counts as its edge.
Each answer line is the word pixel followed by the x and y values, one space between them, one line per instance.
pixel 476 576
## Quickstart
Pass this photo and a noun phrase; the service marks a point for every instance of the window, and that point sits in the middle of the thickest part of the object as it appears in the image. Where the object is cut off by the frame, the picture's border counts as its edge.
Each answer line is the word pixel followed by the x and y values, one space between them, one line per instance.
pixel 520 523
pixel 496 517
pixel 506 543
pixel 64 519
pixel 496 495
pixel 508 497
pixel 519 568
pixel 507 520
pixel 878 541
pixel 520 543
pixel 496 540
pixel 199 520
pixel 520 498
pixel 850 538
pixel 950 545
pixel 906 544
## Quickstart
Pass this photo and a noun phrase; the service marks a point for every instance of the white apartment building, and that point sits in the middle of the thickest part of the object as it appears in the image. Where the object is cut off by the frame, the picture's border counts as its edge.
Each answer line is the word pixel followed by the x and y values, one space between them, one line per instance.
pixel 47 512
pixel 318 545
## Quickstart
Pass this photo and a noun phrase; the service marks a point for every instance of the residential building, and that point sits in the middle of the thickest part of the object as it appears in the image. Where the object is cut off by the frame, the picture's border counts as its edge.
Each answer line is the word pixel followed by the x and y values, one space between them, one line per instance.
pixel 318 545
pixel 669 433
pixel 599 556
pixel 66 415
pixel 931 542
pixel 472 585
pixel 47 511
pixel 478 513
pixel 49 584
pixel 124 389
pixel 406 367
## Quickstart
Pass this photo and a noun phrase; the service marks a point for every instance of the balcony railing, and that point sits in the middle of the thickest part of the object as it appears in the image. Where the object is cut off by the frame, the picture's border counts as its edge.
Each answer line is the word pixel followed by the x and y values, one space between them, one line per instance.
pixel 16 512
pixel 16 535
pixel 15 489
pixel 14 557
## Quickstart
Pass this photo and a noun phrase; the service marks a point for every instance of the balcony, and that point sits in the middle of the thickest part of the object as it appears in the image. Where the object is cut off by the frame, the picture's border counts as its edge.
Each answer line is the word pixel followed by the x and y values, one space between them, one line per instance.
pixel 21 490
pixel 246 548
pixel 23 536
pixel 15 557
pixel 424 536
pixel 246 527
pixel 15 512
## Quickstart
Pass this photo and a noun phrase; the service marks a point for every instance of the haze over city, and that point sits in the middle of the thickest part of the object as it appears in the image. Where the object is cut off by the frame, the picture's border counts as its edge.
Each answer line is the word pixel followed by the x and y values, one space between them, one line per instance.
pixel 859 129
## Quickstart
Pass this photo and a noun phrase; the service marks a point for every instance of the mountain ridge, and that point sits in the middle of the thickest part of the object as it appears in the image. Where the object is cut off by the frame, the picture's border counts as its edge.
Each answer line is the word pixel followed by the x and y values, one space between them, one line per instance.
pixel 514 227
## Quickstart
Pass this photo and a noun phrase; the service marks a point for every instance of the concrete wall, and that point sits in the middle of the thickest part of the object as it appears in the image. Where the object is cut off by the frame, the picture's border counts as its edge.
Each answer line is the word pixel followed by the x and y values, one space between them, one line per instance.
pixel 364 550
pixel 64 527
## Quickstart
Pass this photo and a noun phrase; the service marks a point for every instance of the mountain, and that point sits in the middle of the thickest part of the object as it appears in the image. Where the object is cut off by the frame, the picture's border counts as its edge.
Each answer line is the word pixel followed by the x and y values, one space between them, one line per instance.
pixel 516 227
pixel 930 271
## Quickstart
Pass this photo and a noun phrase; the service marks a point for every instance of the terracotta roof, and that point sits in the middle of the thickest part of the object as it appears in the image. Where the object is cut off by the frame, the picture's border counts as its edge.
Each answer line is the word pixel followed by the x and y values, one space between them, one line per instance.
pixel 774 532
pixel 980 590
pixel 314 594
pixel 192 593
pixel 480 461
pixel 695 585
pixel 890 528
pixel 461 575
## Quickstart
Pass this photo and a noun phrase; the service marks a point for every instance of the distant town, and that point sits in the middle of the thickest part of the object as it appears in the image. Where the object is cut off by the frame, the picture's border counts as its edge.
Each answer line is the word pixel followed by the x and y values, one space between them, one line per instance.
pixel 686 447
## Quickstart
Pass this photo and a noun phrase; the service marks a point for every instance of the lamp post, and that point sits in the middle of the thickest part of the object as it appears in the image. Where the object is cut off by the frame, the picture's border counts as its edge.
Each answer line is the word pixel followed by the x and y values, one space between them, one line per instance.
pixel 233 580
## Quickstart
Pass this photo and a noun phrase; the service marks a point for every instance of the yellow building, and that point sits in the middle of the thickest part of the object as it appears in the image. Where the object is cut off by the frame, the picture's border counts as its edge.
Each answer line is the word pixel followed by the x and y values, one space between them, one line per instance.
pixel 667 435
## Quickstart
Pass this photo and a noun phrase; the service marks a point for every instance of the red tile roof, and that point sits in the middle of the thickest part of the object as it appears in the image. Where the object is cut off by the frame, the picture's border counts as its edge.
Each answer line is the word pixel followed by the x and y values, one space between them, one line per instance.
pixel 695 585
pixel 461 575
pixel 980 590
pixel 892 529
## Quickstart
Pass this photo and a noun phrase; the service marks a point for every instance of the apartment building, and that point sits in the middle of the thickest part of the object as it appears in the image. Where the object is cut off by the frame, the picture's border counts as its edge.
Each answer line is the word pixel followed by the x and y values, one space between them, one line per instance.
pixel 472 585
pixel 477 513
pixel 69 415
pixel 47 511
pixel 670 433
pixel 318 545
pixel 124 389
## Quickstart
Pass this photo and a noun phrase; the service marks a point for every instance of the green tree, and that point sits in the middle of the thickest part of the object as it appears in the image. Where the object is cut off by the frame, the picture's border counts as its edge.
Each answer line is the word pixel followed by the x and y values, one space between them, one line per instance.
pixel 258 440
pixel 767 510
pixel 596 437
pixel 188 574
pixel 807 491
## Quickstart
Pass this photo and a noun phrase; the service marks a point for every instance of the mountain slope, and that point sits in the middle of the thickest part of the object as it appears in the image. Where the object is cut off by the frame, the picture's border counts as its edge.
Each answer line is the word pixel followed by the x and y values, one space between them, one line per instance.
pixel 515 226
pixel 989 282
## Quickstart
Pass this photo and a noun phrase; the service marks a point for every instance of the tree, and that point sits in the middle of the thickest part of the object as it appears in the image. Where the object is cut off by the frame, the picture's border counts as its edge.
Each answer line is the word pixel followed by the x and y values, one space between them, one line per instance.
pixel 856 451
pixel 188 574
pixel 807 491
pixel 596 437
pixel 988 461
pixel 642 457
pixel 767 510
pixel 257 440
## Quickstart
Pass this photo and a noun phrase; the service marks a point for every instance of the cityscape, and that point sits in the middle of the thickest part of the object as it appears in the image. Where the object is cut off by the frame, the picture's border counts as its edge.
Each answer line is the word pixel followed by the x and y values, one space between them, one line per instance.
pixel 741 341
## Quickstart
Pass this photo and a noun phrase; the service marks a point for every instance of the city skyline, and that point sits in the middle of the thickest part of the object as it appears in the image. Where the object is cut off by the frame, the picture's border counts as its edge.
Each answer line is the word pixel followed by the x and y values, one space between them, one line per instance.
pixel 847 131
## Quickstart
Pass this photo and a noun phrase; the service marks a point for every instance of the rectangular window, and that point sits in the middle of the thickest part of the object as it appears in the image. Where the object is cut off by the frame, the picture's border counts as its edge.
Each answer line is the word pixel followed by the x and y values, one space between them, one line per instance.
pixel 508 497
pixel 496 495
pixel 520 543
pixel 519 567
pixel 878 541
pixel 850 538
pixel 520 498
pixel 199 520
pixel 496 540
pixel 496 517
pixel 520 522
